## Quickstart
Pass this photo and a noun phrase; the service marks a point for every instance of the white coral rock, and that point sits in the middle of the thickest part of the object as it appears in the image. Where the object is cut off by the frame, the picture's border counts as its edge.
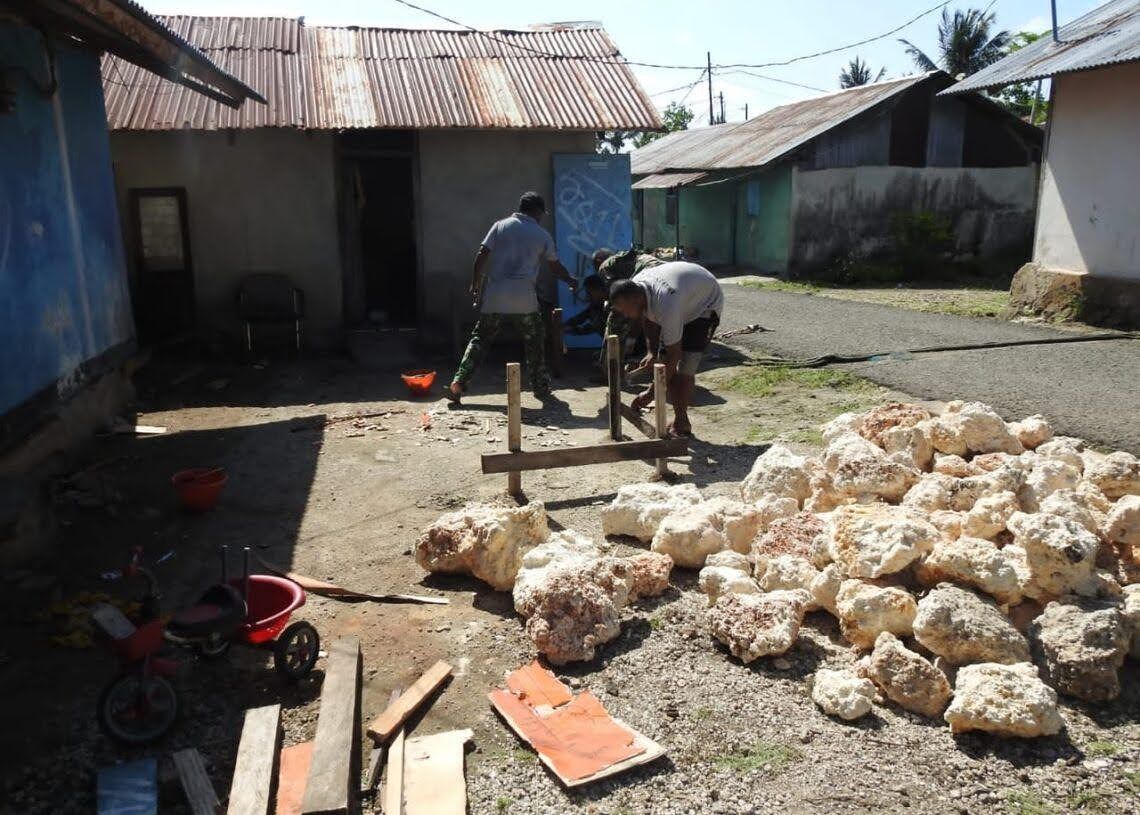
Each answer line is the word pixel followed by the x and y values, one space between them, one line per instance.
pixel 1000 573
pixel 1006 700
pixel 692 533
pixel 861 470
pixel 866 610
pixel 1032 431
pixel 1060 555
pixel 1122 525
pixel 989 515
pixel 1117 474
pixel 876 539
pixel 562 551
pixel 757 625
pixel 716 581
pixel 910 444
pixel 1064 448
pixel 778 471
pixel 485 541
pixel 789 572
pixel 825 587
pixel 1047 477
pixel 842 694
pixel 638 509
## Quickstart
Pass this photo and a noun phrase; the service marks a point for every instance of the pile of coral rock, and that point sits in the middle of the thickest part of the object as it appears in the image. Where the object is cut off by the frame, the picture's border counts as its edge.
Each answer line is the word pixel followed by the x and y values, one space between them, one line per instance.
pixel 978 566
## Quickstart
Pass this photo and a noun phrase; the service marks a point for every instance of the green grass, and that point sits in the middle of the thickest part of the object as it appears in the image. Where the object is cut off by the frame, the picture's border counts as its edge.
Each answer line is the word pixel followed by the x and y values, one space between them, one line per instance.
pixel 503 803
pixel 759 755
pixel 782 285
pixel 1086 799
pixel 702 713
pixel 1133 778
pixel 762 380
pixel 972 304
pixel 656 623
pixel 521 754
pixel 1023 802
pixel 1101 749
pixel 806 435
pixel 969 301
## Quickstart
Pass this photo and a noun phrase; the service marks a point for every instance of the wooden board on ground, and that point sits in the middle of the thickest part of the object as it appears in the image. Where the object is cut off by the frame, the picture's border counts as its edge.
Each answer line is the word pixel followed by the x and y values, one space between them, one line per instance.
pixel 376 758
pixel 334 774
pixel 394 782
pixel 128 789
pixel 292 777
pixel 577 456
pixel 256 767
pixel 200 793
pixel 340 593
pixel 636 419
pixel 384 725
pixel 433 774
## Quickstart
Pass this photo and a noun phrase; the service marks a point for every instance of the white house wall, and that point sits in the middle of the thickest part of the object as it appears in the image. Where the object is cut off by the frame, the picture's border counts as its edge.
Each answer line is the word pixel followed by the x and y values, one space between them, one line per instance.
pixel 1089 215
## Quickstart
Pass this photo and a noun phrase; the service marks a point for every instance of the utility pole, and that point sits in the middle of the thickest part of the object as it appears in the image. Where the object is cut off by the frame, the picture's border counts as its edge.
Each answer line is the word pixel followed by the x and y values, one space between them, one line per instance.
pixel 1053 9
pixel 722 107
pixel 709 72
pixel 746 111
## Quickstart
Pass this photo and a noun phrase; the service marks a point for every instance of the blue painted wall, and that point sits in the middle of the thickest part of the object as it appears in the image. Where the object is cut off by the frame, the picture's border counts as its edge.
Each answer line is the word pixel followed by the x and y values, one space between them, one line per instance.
pixel 63 285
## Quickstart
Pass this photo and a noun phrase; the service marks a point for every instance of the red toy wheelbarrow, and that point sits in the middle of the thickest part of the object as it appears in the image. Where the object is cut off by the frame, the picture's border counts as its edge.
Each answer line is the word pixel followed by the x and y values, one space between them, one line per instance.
pixel 140 705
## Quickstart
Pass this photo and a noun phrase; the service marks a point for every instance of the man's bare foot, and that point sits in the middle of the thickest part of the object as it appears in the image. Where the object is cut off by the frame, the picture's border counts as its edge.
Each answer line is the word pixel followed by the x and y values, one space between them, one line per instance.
pixel 454 393
pixel 677 431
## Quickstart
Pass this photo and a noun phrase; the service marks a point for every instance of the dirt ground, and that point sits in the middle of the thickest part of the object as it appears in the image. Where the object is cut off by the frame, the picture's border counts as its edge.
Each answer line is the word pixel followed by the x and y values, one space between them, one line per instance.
pixel 344 498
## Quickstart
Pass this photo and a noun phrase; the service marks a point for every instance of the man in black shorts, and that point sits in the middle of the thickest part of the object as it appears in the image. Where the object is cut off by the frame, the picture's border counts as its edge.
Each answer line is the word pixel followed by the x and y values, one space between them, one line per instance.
pixel 681 304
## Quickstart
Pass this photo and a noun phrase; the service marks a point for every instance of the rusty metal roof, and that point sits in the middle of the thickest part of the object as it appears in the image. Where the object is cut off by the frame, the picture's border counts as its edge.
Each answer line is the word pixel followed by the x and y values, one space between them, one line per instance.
pixel 331 78
pixel 666 181
pixel 767 137
pixel 1107 35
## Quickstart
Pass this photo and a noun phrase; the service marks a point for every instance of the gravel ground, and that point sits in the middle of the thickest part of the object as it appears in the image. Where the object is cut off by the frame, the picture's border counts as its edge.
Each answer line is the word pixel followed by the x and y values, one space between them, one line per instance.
pixel 1087 389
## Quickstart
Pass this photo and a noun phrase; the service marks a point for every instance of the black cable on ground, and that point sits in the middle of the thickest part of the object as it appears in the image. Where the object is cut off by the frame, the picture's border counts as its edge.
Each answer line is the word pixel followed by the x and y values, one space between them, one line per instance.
pixel 839 359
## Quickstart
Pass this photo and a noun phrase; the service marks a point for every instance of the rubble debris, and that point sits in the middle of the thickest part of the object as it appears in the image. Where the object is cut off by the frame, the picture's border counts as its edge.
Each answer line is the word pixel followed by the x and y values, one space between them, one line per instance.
pixel 1079 646
pixel 576 612
pixel 757 625
pixel 906 678
pixel 842 694
pixel 485 541
pixel 1117 474
pixel 1064 448
pixel 988 517
pixel 1122 525
pixel 778 471
pixel 1082 505
pixel 1006 700
pixel 970 427
pixel 884 418
pixel 877 539
pixel 1059 555
pixel 861 471
pixel 726 572
pixel 691 533
pixel 999 572
pixel 789 572
pixel 648 574
pixel 793 535
pixel 962 628
pixel 909 445
pixel 1047 476
pixel 865 611
pixel 1032 431
pixel 638 509
pixel 825 587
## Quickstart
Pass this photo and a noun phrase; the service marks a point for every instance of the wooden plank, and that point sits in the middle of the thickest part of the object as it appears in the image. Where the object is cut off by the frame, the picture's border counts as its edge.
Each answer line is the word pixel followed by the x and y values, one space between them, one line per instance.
pixel 292 777
pixel 635 418
pixel 334 774
pixel 384 725
pixel 325 589
pixel 433 774
pixel 394 782
pixel 200 793
pixel 613 384
pixel 514 423
pixel 256 767
pixel 659 399
pixel 128 789
pixel 578 456
pixel 376 759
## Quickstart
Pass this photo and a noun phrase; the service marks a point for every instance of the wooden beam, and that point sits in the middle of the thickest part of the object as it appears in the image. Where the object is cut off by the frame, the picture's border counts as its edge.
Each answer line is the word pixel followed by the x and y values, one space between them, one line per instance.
pixel 578 456
pixel 334 774
pixel 256 767
pixel 635 418
pixel 613 383
pixel 514 423
pixel 394 782
pixel 433 774
pixel 661 428
pixel 292 777
pixel 200 792
pixel 384 725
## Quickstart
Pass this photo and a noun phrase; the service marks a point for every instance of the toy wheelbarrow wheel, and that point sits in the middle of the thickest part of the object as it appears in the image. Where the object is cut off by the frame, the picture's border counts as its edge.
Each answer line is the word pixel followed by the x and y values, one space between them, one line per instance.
pixel 136 709
pixel 295 652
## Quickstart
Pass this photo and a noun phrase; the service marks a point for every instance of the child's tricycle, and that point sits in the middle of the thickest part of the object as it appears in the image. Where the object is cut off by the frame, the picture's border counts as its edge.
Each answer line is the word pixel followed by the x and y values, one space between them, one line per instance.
pixel 140 704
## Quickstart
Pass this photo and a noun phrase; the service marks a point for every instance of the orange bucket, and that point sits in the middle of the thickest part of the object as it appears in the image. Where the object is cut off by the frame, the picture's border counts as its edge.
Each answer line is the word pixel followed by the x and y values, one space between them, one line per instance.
pixel 419 382
pixel 199 488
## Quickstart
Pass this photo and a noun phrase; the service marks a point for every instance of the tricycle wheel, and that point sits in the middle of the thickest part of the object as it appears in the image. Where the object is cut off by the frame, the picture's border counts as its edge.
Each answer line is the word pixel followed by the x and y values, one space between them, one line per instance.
pixel 213 646
pixel 295 651
pixel 137 709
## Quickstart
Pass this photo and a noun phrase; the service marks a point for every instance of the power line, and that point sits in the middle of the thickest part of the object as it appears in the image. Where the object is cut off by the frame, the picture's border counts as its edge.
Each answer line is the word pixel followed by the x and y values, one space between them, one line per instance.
pixel 685 87
pixel 619 61
pixel 781 81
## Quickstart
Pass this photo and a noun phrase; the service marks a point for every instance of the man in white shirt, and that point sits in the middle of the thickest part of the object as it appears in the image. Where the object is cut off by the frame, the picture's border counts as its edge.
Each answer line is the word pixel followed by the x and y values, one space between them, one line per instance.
pixel 503 286
pixel 680 304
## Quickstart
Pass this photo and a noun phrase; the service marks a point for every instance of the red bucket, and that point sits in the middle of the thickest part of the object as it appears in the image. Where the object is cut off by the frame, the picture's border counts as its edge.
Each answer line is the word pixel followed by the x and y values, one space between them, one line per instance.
pixel 419 382
pixel 199 487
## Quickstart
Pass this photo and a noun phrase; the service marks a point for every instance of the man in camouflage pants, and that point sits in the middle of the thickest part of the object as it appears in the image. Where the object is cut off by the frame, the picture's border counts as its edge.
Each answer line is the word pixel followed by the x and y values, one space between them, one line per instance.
pixel 508 261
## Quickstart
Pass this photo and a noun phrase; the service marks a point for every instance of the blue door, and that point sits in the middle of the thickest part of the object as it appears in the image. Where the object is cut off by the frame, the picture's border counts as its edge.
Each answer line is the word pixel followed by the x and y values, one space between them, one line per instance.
pixel 592 210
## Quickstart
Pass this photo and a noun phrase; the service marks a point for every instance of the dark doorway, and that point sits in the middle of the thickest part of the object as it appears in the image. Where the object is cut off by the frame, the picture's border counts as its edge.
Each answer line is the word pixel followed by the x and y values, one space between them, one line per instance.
pixel 164 276
pixel 379 174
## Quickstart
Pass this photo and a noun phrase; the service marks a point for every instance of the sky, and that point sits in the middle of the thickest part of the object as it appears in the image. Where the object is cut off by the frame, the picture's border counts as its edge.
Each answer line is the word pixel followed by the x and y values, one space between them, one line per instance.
pixel 681 33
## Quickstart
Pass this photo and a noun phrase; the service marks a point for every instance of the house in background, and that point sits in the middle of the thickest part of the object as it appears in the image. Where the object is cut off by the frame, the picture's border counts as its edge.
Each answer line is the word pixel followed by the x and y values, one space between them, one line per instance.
pixel 1086 251
pixel 372 174
pixel 795 188
pixel 66 329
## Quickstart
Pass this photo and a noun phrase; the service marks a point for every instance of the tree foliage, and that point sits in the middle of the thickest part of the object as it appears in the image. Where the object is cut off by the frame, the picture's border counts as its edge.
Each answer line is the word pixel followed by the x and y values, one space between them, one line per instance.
pixel 967 43
pixel 857 73
pixel 1019 99
pixel 675 117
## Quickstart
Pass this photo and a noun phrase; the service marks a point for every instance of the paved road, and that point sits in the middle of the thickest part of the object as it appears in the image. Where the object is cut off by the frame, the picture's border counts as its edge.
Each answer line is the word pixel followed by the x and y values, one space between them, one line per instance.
pixel 1089 389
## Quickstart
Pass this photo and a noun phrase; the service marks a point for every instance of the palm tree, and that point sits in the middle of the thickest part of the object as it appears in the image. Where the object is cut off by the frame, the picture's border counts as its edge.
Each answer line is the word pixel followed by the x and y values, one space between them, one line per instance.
pixel 965 43
pixel 858 73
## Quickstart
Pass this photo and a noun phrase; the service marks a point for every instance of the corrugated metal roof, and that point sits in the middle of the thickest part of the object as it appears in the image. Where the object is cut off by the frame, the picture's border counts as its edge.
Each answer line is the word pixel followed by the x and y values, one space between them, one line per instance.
pixel 1105 36
pixel 667 180
pixel 328 78
pixel 767 137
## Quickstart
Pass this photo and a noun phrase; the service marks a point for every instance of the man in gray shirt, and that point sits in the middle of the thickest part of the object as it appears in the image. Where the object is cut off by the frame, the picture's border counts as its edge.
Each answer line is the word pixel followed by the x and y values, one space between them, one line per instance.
pixel 680 304
pixel 503 285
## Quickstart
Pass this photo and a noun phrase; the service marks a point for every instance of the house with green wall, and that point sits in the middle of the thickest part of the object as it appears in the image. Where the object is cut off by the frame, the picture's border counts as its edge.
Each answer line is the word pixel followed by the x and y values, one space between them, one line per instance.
pixel 793 189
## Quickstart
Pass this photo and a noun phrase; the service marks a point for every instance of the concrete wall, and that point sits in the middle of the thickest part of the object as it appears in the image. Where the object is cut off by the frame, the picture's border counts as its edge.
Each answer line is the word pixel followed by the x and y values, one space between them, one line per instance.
pixel 468 180
pixel 1088 214
pixel 762 239
pixel 850 210
pixel 256 201
pixel 65 299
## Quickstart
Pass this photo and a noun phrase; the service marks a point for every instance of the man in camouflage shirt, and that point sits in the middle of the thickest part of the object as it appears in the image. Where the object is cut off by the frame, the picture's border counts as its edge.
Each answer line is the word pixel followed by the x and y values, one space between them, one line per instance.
pixel 614 266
